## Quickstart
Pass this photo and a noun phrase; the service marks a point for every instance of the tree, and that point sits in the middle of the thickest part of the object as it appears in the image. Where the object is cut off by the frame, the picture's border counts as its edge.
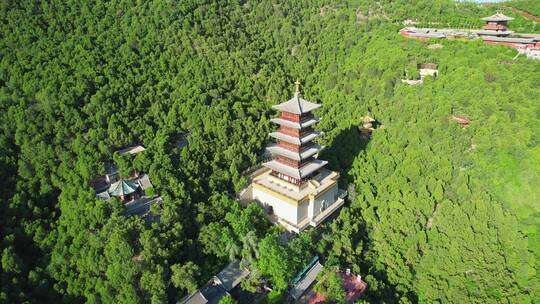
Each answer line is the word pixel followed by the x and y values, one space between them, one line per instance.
pixel 330 284
pixel 11 263
pixel 185 276
pixel 275 262
pixel 228 299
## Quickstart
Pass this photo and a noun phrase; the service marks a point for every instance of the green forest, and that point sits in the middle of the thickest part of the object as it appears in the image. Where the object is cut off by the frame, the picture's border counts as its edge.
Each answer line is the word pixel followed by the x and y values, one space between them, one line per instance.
pixel 436 213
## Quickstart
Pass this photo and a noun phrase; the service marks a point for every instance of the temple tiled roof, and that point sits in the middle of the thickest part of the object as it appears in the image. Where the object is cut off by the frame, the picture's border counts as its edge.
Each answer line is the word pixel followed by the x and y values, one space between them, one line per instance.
pixel 302 286
pixel 536 37
pixel 123 187
pixel 497 17
pixel 299 173
pixel 195 298
pixel 508 39
pixel 231 275
pixel 208 294
pixel 103 195
pixel 144 182
pixel 141 206
pixel 428 35
pixel 491 32
pixel 220 286
pixel 296 105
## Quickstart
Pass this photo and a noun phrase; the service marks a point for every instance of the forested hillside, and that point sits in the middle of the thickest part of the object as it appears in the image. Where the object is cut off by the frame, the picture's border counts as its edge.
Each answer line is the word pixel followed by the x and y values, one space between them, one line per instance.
pixel 437 213
pixel 530 6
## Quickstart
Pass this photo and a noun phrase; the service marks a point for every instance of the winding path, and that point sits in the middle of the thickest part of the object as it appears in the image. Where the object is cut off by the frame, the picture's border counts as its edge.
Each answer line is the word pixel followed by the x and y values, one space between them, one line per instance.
pixel 526 14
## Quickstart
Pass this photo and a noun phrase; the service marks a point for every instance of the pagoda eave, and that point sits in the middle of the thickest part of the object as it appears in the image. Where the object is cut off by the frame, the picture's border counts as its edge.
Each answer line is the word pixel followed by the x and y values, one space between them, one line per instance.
pixel 296 105
pixel 497 18
pixel 295 140
pixel 310 151
pixel 295 125
pixel 297 173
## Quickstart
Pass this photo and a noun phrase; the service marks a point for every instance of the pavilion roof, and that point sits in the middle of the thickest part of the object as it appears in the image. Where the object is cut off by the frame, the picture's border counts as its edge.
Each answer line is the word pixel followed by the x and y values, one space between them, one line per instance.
pixel 296 105
pixel 498 17
pixel 123 187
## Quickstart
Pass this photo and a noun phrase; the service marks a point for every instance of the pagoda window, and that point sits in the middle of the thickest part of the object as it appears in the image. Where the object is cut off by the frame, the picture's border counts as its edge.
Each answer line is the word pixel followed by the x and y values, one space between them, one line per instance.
pixel 294 163
pixel 289 179
pixel 289 162
pixel 289 146
pixel 295 132
pixel 289 131
pixel 290 116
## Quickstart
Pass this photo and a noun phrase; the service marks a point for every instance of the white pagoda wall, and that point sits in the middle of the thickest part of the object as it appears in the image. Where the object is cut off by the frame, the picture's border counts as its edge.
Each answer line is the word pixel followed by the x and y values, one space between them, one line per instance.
pixel 329 197
pixel 303 211
pixel 281 208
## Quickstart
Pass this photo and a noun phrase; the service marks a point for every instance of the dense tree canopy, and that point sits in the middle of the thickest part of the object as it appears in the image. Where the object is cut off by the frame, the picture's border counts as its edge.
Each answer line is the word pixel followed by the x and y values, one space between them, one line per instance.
pixel 437 213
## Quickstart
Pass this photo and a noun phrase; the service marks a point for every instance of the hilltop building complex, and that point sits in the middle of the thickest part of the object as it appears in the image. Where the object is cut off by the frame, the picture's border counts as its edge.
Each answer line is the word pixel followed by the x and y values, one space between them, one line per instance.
pixel 495 31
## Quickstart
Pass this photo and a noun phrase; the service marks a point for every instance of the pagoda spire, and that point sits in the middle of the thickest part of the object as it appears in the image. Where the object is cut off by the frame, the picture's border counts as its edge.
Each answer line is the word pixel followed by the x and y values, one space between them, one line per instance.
pixel 297 90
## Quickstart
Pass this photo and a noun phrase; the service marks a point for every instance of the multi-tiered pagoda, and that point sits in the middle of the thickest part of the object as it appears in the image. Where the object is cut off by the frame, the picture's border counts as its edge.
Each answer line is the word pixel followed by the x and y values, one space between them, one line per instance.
pixel 295 150
pixel 296 189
